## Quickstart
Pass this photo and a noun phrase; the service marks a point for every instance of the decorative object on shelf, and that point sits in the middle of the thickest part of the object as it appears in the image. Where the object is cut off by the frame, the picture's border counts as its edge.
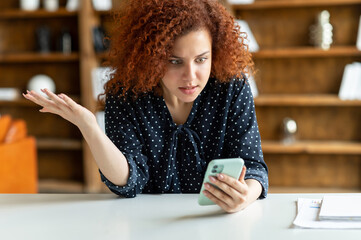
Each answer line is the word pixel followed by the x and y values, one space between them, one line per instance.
pixel 289 127
pixel 358 41
pixel 240 1
pixel 9 94
pixel 100 76
pixel 350 88
pixel 43 39
pixel 102 5
pixel 72 5
pixel 321 32
pixel 51 5
pixel 41 81
pixel 100 42
pixel 250 40
pixel 29 5
pixel 64 42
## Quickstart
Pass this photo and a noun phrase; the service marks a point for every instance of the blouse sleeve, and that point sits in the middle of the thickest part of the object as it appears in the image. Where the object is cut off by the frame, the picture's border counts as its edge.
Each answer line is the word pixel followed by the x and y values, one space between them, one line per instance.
pixel 242 135
pixel 122 129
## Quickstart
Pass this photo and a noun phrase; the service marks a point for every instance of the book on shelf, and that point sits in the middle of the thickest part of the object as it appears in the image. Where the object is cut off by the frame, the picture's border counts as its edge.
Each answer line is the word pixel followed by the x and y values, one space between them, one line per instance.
pixel 358 42
pixel 250 40
pixel 350 88
pixel 9 94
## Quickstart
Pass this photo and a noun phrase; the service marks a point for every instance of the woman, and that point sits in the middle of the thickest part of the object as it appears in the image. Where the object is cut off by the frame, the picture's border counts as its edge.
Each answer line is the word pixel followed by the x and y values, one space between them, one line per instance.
pixel 176 101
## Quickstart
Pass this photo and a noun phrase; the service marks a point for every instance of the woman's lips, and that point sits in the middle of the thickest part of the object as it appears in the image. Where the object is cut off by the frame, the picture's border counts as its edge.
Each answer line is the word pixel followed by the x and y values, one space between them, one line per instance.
pixel 188 90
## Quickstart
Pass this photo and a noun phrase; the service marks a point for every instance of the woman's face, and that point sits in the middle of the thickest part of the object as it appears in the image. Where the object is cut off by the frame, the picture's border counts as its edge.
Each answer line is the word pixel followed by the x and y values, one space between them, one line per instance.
pixel 189 67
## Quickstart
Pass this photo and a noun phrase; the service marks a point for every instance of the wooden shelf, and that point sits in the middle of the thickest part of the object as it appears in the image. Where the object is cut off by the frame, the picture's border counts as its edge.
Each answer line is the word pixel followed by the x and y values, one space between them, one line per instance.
pixel 58 186
pixel 312 147
pixel 293 4
pixel 41 13
pixel 22 102
pixel 303 52
pixel 303 100
pixel 34 57
pixel 58 144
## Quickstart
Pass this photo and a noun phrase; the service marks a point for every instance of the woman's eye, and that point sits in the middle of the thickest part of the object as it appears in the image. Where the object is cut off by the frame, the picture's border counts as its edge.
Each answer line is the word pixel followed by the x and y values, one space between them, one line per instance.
pixel 174 61
pixel 201 60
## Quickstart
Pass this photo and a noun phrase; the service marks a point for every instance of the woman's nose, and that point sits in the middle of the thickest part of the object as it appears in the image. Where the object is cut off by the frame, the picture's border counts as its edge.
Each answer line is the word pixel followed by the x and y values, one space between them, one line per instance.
pixel 189 72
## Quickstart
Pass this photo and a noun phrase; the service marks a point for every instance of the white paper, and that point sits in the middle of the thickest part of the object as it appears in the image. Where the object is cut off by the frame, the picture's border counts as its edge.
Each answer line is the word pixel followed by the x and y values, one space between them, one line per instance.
pixel 307 217
pixel 341 208
pixel 251 40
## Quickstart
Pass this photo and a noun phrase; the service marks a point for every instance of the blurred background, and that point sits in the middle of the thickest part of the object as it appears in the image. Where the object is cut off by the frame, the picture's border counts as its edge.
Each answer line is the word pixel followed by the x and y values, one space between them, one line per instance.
pixel 306 84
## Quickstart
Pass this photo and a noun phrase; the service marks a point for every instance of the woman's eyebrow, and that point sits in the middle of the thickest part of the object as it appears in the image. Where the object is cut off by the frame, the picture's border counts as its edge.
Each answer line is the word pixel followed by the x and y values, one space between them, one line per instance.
pixel 173 56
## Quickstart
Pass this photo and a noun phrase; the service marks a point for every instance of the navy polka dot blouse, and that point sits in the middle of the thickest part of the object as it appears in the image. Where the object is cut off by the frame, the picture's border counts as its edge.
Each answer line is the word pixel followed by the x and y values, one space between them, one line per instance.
pixel 167 158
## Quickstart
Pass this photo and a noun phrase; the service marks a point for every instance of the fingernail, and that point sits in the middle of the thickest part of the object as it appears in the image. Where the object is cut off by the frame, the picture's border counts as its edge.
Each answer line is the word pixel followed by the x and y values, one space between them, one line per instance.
pixel 212 179
pixel 205 193
pixel 206 185
pixel 220 176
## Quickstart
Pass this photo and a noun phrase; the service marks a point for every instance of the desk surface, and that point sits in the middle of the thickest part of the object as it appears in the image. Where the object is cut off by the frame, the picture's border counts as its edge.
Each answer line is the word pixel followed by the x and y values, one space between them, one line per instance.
pixel 168 216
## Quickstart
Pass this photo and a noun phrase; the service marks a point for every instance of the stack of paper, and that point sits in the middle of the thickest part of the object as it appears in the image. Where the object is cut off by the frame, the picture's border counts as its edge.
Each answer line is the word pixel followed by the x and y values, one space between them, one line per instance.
pixel 341 208
pixel 308 212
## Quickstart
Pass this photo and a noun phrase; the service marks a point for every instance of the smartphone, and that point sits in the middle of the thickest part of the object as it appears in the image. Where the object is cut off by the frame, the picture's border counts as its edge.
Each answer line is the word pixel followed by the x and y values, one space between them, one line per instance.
pixel 229 166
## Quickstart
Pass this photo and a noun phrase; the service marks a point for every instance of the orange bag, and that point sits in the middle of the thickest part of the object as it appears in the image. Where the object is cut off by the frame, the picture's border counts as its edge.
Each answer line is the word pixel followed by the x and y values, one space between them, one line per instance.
pixel 18 158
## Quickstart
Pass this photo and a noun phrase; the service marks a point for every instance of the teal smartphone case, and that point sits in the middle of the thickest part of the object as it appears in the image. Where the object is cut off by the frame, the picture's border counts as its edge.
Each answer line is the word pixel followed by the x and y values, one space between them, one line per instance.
pixel 229 166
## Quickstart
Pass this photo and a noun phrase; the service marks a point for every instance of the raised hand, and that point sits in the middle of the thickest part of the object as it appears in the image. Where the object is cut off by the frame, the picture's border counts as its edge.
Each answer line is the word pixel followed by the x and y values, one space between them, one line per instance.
pixel 63 106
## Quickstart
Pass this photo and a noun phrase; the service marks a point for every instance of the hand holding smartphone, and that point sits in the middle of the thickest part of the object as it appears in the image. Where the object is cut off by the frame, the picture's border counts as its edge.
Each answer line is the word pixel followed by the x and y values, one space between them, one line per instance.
pixel 228 166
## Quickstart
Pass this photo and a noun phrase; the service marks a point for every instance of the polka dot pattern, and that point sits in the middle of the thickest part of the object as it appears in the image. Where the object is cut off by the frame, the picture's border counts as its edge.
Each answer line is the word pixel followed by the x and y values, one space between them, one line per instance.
pixel 167 158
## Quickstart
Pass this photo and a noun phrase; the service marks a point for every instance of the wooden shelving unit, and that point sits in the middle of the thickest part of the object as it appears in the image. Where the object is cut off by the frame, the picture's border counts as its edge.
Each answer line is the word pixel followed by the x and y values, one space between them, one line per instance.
pixel 315 100
pixel 312 147
pixel 272 4
pixel 300 81
pixel 308 52
pixel 59 143
pixel 18 14
pixel 31 57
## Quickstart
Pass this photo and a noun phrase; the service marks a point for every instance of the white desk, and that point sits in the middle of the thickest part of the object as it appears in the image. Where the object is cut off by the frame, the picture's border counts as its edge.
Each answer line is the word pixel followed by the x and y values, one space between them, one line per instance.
pixel 105 216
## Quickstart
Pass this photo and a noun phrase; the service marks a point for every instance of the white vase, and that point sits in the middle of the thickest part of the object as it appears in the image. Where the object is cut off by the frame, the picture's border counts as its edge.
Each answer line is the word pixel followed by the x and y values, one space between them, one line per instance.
pixel 29 5
pixel 51 5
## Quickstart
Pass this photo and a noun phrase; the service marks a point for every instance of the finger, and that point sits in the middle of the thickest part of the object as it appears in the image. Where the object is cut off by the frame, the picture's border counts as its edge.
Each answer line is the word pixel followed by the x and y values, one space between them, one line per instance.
pixel 227 185
pixel 36 98
pixel 220 194
pixel 55 98
pixel 71 103
pixel 243 174
pixel 217 201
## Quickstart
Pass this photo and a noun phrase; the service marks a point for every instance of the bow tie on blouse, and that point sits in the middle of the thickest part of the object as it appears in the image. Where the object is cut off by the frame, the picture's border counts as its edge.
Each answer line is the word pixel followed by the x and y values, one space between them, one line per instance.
pixel 189 147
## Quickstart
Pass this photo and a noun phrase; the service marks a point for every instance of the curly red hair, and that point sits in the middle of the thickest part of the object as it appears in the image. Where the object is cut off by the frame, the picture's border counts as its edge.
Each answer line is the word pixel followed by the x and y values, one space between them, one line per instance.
pixel 145 32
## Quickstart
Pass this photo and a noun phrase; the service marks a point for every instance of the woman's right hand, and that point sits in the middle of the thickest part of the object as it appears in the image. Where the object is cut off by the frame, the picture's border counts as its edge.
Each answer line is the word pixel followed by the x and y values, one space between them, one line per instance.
pixel 63 106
